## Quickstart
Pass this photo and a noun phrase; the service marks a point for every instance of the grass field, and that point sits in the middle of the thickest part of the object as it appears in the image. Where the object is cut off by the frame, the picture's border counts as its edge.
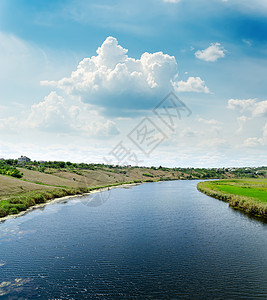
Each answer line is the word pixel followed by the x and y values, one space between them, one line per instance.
pixel 18 194
pixel 248 195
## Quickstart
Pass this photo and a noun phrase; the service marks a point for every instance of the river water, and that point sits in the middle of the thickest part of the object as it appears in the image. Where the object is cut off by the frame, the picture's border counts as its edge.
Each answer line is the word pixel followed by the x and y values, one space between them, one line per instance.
pixel 152 241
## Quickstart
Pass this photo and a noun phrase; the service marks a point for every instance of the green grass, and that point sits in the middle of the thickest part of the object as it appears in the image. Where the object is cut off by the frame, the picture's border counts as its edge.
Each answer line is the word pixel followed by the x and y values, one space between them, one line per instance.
pixel 22 202
pixel 252 188
pixel 248 195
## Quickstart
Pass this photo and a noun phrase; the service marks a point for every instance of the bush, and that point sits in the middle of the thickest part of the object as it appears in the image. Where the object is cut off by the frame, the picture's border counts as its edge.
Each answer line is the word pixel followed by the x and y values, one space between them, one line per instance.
pixel 148 175
pixel 7 168
pixel 38 198
pixel 3 212
pixel 15 201
pixel 13 211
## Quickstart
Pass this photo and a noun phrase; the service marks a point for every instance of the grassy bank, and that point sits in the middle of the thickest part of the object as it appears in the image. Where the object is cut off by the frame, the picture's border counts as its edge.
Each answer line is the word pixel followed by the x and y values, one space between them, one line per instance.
pixel 22 202
pixel 247 195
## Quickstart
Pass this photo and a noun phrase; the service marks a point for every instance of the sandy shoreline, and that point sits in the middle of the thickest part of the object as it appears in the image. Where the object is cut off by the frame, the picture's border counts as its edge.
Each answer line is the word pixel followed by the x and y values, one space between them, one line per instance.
pixel 123 185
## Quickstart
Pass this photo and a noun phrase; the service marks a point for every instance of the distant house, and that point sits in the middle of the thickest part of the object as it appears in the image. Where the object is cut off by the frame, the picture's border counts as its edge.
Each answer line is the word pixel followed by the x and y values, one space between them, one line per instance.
pixel 24 159
pixel 2 159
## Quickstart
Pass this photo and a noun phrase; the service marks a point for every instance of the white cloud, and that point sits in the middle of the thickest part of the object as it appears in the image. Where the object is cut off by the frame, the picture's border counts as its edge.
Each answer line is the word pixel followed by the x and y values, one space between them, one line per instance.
pixel 260 109
pixel 9 125
pixel 188 132
pixel 171 1
pixel 257 109
pixel 253 111
pixel 120 84
pixel 247 42
pixel 242 105
pixel 100 129
pixel 209 122
pixel 263 140
pixel 212 53
pixel 56 115
pixel 242 121
pixel 193 84
pixel 50 114
pixel 253 142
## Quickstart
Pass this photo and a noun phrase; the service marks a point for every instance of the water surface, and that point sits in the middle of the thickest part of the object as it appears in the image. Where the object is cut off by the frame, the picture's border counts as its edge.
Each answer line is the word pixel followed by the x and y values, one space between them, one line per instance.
pixel 156 240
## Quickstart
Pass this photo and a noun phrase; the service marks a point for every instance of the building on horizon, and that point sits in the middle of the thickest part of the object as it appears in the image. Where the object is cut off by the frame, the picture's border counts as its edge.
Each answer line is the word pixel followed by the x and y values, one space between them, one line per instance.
pixel 24 159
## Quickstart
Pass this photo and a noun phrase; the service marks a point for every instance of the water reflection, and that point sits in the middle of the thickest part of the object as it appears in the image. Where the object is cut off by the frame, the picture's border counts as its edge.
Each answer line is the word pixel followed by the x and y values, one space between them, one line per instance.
pixel 14 287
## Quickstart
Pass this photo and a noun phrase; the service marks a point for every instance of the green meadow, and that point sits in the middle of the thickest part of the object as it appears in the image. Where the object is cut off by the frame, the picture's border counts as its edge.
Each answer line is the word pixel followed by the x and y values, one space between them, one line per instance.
pixel 248 195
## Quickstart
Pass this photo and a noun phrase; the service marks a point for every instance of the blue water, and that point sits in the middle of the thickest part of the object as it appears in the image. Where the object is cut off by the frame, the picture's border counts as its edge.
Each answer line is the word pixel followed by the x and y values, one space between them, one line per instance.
pixel 152 241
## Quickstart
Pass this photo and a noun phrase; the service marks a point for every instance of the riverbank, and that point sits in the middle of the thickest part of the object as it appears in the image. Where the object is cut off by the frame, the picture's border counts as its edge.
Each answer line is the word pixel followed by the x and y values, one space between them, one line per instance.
pixel 43 182
pixel 36 187
pixel 247 195
pixel 56 197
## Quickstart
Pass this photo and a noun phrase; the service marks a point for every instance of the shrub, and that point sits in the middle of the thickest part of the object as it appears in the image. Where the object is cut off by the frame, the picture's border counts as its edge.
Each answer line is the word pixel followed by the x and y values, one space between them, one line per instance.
pixel 13 211
pixel 148 175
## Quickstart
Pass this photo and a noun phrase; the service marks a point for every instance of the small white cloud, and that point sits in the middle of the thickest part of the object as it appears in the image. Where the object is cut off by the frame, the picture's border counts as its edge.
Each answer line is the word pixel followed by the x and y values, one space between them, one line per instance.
pixel 253 142
pixel 260 109
pixel 243 119
pixel 209 122
pixel 257 141
pixel 51 83
pixel 257 109
pixel 172 1
pixel 188 132
pixel 193 84
pixel 242 105
pixel 101 129
pixel 212 53
pixel 247 42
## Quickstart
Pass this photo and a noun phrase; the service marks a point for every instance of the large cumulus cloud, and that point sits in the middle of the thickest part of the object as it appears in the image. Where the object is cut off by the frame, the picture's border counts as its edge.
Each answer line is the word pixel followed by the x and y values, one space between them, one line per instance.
pixel 118 83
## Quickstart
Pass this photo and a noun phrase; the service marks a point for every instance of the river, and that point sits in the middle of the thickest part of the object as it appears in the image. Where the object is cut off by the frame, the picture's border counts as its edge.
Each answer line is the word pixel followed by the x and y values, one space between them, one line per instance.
pixel 160 240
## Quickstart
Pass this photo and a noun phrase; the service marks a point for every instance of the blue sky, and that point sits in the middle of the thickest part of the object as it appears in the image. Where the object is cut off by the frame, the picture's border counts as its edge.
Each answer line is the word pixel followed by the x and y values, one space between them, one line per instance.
pixel 60 99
